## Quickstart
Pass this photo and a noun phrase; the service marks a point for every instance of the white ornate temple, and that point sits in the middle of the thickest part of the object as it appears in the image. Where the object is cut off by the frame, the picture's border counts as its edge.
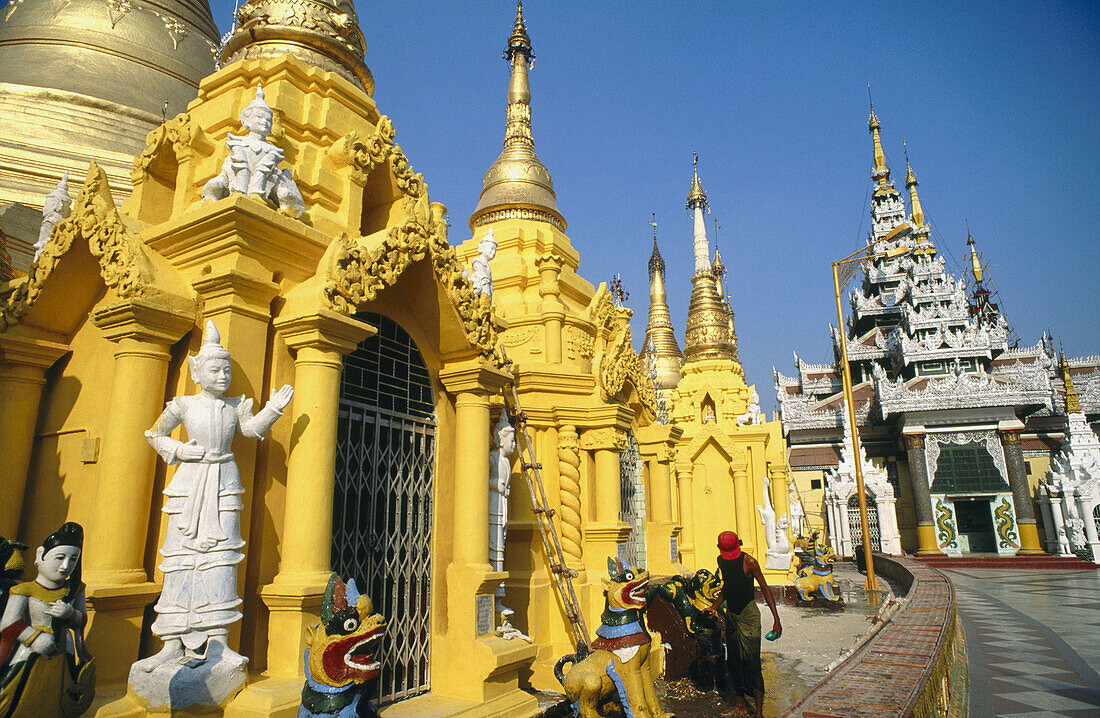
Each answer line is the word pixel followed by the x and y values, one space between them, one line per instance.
pixel 958 420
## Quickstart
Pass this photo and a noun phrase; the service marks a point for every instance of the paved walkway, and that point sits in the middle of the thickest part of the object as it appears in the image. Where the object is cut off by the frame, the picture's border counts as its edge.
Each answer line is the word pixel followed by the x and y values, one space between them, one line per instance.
pixel 1033 639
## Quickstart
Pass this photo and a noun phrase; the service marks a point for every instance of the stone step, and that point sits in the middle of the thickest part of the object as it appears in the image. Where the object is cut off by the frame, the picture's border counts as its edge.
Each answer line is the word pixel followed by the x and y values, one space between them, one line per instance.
pixel 1058 563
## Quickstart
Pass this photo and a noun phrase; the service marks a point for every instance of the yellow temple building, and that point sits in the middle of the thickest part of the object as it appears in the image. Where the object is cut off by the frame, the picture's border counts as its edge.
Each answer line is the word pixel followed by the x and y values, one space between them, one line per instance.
pixel 380 468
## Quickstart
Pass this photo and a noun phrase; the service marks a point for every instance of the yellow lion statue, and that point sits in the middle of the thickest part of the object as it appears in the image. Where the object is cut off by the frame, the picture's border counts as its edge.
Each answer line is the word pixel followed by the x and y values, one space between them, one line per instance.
pixel 618 665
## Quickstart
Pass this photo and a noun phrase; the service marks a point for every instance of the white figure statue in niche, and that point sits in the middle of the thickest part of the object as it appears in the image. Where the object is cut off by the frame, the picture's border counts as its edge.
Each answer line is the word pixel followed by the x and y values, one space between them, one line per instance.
pixel 500 474
pixel 779 553
pixel 482 275
pixel 58 206
pixel 202 546
pixel 753 415
pixel 252 167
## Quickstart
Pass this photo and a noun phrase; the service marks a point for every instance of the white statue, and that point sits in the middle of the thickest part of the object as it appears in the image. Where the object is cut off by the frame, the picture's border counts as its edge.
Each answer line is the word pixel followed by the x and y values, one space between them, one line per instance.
pixel 798 514
pixel 500 474
pixel 202 546
pixel 482 274
pixel 507 630
pixel 779 553
pixel 252 167
pixel 58 206
pixel 753 415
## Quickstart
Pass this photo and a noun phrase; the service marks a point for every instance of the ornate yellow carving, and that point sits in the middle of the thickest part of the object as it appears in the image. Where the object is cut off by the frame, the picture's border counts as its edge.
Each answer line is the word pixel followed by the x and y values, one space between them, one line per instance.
pixel 579 345
pixel 599 310
pixel 122 261
pixel 177 132
pixel 620 365
pixel 356 274
pixel 364 155
pixel 608 437
pixel 569 473
pixel 519 337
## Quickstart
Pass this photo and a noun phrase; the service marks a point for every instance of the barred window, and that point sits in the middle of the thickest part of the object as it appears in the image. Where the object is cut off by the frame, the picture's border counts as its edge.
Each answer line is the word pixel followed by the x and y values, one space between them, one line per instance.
pixel 967 469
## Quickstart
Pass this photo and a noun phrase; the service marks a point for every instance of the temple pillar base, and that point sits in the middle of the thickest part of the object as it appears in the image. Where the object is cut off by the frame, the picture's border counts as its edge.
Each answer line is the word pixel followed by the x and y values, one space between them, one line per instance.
pixel 267 698
pixel 115 615
pixel 293 608
pixel 926 541
pixel 1029 540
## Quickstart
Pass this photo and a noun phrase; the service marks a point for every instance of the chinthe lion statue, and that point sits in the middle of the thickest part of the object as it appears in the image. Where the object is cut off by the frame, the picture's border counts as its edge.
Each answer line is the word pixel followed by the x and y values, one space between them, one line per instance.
pixel 818 576
pixel 618 665
pixel 691 597
pixel 341 655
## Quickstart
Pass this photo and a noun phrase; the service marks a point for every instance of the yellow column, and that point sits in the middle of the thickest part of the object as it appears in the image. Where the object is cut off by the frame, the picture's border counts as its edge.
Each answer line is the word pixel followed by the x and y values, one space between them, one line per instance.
pixel 114 550
pixel 471 545
pixel 551 308
pixel 744 507
pixel 1021 492
pixel 23 365
pixel 319 340
pixel 687 510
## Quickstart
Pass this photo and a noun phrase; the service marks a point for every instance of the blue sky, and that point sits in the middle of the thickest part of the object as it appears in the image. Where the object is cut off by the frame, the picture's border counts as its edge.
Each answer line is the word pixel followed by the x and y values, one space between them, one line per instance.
pixel 999 103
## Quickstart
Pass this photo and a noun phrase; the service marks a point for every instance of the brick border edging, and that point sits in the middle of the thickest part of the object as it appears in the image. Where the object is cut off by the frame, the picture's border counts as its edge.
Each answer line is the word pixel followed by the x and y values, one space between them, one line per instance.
pixel 891 674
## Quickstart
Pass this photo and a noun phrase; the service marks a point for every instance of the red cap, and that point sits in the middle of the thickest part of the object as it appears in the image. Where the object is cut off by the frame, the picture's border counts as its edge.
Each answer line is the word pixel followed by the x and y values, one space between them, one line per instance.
pixel 729 546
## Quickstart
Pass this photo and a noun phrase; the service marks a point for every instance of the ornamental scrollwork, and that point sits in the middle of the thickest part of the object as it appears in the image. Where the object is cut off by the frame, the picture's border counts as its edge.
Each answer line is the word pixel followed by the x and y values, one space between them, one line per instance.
pixel 363 155
pixel 122 261
pixel 608 437
pixel 177 132
pixel 622 364
pixel 356 274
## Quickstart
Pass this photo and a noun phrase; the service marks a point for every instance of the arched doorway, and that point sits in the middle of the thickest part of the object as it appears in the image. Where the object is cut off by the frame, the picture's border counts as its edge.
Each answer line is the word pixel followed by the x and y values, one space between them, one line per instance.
pixel 382 509
pixel 632 502
pixel 856 529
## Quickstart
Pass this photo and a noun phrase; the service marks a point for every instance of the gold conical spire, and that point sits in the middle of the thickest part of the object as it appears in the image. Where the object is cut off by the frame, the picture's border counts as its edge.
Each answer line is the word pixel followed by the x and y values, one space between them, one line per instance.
pixel 916 211
pixel 708 322
pixel 518 185
pixel 1073 402
pixel 975 265
pixel 880 173
pixel 659 333
pixel 322 33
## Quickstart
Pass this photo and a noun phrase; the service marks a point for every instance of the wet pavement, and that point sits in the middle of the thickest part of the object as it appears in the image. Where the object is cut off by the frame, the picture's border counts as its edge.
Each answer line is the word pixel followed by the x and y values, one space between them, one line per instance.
pixel 813 639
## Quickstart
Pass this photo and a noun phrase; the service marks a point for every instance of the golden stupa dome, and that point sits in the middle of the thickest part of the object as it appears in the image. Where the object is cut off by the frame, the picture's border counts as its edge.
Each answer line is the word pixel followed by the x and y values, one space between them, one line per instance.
pixel 518 185
pixel 133 53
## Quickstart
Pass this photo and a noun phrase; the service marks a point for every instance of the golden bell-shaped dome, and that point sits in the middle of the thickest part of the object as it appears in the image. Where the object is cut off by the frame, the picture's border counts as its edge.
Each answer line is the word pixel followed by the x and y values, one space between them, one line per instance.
pixel 322 33
pixel 518 185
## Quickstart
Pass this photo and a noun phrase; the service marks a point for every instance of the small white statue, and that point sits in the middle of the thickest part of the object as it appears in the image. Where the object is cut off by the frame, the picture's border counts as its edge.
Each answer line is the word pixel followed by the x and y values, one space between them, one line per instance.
pixel 779 553
pixel 202 545
pixel 753 415
pixel 507 630
pixel 482 275
pixel 500 474
pixel 58 206
pixel 798 514
pixel 252 167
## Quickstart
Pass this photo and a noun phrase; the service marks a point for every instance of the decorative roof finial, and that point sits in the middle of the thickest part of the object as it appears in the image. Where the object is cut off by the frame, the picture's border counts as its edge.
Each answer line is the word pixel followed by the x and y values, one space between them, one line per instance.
pixel 519 40
pixel 916 211
pixel 656 262
pixel 880 173
pixel 696 197
pixel 975 264
pixel 1073 402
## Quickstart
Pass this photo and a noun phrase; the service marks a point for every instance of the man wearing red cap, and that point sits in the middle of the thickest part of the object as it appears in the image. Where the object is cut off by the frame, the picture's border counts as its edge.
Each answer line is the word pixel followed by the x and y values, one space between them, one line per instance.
pixel 738 569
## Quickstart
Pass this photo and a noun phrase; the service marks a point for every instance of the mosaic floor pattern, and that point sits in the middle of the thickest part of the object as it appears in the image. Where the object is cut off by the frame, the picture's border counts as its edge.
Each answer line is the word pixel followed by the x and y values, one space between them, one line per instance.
pixel 1032 641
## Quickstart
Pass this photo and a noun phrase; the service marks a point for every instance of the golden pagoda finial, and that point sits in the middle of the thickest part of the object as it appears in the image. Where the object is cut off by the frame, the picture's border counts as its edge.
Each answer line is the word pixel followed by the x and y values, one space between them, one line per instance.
pixel 916 211
pixel 322 33
pixel 696 196
pixel 880 173
pixel 975 264
pixel 1073 402
pixel 518 185
pixel 656 262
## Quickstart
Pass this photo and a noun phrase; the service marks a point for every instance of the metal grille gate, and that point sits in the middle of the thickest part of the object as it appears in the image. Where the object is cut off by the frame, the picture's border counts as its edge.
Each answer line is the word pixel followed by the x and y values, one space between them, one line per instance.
pixel 872 522
pixel 382 509
pixel 632 503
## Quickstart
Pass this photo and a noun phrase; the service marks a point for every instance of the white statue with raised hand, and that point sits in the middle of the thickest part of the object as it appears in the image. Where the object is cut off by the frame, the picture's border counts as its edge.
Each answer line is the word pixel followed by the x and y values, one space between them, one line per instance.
pixel 202 545
pixel 500 475
pixel 252 167
pixel 779 553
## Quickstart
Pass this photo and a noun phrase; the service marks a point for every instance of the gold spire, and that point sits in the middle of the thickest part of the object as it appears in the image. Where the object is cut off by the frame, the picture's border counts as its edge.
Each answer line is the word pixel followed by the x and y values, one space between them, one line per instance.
pixel 322 33
pixel 880 173
pixel 916 211
pixel 1073 402
pixel 659 333
pixel 975 265
pixel 518 185
pixel 696 197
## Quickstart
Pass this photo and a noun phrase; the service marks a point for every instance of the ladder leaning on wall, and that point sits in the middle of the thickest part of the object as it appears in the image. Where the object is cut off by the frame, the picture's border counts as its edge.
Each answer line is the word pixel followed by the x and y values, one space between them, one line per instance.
pixel 561 575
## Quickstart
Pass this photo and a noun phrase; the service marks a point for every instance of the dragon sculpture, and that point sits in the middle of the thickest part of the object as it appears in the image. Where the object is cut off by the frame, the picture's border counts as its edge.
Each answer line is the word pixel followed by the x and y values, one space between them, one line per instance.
pixel 618 665
pixel 690 597
pixel 818 575
pixel 341 655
